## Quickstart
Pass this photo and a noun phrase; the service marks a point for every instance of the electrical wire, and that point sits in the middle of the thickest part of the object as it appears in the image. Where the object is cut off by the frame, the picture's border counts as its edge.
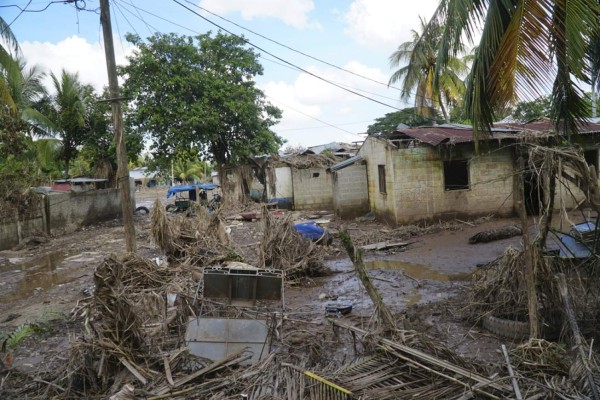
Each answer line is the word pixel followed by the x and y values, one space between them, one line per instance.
pixel 287 62
pixel 293 49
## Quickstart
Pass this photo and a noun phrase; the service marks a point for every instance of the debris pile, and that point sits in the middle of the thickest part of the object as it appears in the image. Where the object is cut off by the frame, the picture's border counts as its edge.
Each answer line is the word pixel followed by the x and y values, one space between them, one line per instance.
pixel 283 248
pixel 198 238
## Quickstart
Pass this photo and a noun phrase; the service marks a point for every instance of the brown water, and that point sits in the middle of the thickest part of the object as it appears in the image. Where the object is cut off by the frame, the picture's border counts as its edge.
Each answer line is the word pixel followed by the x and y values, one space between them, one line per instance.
pixel 417 271
pixel 41 273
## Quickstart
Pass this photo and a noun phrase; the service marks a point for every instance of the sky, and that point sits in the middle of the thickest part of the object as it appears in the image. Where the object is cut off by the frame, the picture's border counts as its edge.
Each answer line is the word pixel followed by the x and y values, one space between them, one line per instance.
pixel 353 35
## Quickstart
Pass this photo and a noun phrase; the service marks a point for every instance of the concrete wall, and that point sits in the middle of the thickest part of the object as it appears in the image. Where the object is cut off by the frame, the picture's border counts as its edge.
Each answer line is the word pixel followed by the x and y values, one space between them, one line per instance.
pixel 351 191
pixel 415 182
pixel 378 152
pixel 313 189
pixel 67 212
pixel 284 189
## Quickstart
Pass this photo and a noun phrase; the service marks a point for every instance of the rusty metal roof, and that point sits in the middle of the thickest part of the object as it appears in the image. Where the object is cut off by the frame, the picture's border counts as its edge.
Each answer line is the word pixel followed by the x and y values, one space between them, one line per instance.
pixel 457 133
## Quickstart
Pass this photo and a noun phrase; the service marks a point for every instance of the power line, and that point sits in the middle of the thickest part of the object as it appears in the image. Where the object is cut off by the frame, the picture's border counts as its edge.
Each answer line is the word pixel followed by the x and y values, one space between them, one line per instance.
pixel 287 62
pixel 323 126
pixel 310 116
pixel 295 50
pixel 17 17
pixel 287 66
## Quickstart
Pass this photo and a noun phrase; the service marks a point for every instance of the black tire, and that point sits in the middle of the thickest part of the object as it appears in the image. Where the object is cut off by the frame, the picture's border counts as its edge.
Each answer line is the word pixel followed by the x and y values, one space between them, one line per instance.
pixel 142 210
pixel 506 328
pixel 171 208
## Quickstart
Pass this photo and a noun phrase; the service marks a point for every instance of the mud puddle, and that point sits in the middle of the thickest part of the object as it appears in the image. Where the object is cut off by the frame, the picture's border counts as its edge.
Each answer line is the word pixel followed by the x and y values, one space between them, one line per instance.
pixel 400 283
pixel 416 271
pixel 21 280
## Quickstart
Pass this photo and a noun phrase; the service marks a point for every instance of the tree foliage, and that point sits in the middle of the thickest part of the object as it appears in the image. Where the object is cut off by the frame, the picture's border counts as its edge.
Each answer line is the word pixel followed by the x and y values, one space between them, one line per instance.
pixel 201 95
pixel 526 48
pixel 432 88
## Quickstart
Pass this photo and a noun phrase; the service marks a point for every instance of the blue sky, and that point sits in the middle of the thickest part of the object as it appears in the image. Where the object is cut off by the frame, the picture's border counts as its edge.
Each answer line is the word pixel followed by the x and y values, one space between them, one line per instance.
pixel 357 35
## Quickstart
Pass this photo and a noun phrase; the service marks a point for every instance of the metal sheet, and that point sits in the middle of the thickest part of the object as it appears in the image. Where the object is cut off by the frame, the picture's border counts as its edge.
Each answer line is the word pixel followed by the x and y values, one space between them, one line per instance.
pixel 215 338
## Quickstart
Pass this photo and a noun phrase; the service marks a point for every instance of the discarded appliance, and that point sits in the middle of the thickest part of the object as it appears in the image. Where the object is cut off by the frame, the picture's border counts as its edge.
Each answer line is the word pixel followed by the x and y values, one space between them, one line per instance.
pixel 314 232
pixel 216 338
pixel 246 290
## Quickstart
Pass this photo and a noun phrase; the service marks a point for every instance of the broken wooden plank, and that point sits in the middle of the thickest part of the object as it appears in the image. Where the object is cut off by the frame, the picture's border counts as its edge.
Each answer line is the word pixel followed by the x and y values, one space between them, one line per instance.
pixel 383 245
pixel 511 373
pixel 133 370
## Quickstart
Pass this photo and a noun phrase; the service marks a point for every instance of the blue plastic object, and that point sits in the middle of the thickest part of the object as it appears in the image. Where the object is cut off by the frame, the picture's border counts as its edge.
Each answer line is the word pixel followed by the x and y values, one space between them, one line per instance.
pixel 186 188
pixel 312 231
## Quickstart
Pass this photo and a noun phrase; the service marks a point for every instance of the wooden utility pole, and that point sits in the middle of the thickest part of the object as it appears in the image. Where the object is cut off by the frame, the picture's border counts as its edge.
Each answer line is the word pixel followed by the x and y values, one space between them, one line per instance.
pixel 122 167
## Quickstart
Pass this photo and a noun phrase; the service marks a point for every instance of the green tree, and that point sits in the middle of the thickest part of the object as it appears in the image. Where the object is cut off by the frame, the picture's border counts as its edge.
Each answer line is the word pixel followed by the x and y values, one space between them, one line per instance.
pixel 25 89
pixel 432 88
pixel 187 170
pixel 407 116
pixel 98 145
pixel 199 92
pixel 9 47
pixel 525 48
pixel 66 110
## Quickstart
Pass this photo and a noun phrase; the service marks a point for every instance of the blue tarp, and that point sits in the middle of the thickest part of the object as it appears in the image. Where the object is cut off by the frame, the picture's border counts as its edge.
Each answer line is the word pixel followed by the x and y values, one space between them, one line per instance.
pixel 311 230
pixel 186 188
pixel 570 247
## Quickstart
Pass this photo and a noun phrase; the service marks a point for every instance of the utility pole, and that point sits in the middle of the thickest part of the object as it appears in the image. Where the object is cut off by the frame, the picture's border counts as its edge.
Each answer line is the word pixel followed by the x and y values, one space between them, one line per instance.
pixel 115 100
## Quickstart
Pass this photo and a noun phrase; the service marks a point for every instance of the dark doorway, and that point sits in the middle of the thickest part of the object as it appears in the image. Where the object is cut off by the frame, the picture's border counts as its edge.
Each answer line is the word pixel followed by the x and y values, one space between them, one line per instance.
pixel 591 158
pixel 534 193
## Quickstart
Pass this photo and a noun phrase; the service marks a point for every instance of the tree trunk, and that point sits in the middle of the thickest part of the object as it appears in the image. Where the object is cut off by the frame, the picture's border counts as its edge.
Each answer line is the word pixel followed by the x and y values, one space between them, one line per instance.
pixel 355 255
pixel 527 254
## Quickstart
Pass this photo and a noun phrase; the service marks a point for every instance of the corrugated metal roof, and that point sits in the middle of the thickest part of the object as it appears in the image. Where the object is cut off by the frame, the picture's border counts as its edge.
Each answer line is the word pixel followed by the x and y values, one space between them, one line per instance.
pixel 345 163
pixel 458 133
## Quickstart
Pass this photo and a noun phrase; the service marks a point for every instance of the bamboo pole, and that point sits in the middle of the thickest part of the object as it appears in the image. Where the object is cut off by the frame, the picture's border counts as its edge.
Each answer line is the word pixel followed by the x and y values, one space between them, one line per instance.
pixel 527 253
pixel 355 255
pixel 564 293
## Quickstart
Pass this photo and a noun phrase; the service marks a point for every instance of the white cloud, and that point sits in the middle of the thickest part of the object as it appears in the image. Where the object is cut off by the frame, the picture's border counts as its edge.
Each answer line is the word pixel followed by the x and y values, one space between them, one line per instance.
pixel 74 54
pixel 291 12
pixel 384 23
pixel 307 100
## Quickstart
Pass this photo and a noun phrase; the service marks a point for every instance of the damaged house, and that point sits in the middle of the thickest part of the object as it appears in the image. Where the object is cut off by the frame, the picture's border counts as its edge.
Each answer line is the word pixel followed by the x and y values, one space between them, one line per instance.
pixel 431 173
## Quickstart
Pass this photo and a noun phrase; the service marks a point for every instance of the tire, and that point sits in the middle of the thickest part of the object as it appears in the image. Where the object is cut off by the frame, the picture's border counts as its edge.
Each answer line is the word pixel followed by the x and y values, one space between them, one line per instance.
pixel 142 210
pixel 506 328
pixel 171 208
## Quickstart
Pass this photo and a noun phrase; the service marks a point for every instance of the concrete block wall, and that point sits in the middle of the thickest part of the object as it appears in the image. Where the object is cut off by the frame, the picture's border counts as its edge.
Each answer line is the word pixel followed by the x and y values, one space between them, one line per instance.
pixel 421 195
pixel 351 191
pixel 377 152
pixel 313 189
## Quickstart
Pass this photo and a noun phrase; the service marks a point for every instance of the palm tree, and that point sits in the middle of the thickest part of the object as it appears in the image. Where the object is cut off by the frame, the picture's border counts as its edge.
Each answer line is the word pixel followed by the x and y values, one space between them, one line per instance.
pixel 433 88
pixel 25 89
pixel 526 48
pixel 188 170
pixel 7 38
pixel 67 113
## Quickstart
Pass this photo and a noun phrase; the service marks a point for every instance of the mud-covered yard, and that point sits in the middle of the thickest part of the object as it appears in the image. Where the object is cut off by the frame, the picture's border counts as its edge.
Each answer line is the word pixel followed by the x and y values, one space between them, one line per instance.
pixel 424 282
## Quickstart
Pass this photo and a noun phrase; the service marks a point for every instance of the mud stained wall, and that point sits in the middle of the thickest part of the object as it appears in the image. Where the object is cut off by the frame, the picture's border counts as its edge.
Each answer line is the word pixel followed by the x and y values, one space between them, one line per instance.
pixel 67 212
pixel 415 185
pixel 351 191
pixel 313 189
pixel 9 231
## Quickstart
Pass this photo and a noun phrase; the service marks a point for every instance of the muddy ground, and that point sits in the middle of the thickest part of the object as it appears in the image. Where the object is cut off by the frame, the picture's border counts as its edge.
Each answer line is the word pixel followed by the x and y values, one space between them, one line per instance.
pixel 424 283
